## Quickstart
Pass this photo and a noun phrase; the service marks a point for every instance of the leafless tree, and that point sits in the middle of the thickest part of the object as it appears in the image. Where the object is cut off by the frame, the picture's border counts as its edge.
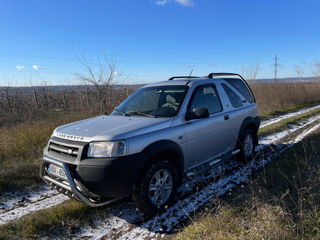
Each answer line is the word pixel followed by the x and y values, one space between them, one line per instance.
pixel 8 99
pixel 317 70
pixel 251 72
pixel 299 70
pixel 101 75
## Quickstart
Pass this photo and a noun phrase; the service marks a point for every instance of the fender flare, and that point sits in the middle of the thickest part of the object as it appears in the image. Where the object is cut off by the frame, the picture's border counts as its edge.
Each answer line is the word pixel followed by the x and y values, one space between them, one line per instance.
pixel 250 122
pixel 163 147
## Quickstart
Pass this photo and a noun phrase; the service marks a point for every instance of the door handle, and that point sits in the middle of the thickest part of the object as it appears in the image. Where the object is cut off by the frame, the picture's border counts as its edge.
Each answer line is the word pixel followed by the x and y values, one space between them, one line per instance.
pixel 226 117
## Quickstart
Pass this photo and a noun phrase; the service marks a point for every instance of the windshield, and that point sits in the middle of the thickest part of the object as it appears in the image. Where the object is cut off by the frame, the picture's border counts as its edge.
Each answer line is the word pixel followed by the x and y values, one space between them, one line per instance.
pixel 160 101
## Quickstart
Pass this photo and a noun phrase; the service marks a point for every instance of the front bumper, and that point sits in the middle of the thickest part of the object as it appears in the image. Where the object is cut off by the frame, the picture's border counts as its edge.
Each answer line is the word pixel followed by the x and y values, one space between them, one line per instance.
pixel 95 181
pixel 68 186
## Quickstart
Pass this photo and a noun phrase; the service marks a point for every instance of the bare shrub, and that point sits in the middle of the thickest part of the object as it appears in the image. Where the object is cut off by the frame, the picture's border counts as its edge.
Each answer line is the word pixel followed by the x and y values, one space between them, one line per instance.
pixel 251 72
pixel 317 71
pixel 299 70
pixel 273 96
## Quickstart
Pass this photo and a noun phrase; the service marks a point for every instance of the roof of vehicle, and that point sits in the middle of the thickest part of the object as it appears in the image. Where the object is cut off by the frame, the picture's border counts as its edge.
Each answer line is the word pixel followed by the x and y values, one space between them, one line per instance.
pixel 184 80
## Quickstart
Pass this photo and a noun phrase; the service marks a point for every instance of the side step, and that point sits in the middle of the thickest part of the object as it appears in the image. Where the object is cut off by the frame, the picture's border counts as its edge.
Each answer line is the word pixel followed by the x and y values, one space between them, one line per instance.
pixel 213 162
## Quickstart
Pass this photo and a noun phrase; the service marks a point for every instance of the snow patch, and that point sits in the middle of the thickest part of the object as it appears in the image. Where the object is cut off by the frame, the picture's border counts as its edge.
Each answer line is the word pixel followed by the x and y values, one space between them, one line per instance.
pixel 20 206
pixel 286 116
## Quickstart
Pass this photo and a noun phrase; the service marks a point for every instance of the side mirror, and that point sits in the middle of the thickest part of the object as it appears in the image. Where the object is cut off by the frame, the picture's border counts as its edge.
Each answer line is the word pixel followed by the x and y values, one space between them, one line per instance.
pixel 198 113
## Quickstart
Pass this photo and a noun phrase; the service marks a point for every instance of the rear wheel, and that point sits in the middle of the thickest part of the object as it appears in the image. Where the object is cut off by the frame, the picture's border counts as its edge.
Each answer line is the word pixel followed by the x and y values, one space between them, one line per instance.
pixel 157 187
pixel 247 143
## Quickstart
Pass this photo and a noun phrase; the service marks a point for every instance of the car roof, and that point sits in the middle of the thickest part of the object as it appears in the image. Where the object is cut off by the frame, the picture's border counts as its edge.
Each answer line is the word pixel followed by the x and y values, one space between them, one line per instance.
pixel 180 81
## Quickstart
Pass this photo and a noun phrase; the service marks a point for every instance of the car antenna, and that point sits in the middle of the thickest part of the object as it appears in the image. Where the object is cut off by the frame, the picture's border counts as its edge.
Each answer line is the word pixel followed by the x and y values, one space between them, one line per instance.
pixel 190 73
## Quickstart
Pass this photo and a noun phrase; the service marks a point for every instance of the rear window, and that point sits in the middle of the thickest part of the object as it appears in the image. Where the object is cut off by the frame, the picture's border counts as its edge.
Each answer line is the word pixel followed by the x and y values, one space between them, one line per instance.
pixel 241 87
pixel 233 97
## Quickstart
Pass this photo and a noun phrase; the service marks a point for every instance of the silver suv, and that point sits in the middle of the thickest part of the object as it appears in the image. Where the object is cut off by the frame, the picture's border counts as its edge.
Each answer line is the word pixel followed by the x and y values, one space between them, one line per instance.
pixel 150 142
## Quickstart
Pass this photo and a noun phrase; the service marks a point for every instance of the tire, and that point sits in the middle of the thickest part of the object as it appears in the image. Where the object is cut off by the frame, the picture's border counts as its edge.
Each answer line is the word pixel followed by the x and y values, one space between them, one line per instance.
pixel 247 142
pixel 148 188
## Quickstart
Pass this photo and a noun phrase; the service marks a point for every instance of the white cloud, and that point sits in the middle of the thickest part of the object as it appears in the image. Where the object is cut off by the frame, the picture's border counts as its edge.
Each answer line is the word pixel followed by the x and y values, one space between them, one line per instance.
pixel 162 2
pixel 20 68
pixel 188 3
pixel 35 67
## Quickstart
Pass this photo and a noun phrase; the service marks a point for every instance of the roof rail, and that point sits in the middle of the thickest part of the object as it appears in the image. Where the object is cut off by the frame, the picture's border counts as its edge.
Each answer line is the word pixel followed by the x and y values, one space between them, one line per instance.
pixel 172 78
pixel 212 75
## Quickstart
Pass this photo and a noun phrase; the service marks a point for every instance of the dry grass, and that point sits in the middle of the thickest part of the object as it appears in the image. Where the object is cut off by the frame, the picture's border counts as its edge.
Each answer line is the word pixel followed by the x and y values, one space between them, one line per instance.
pixel 21 148
pixel 272 96
pixel 227 222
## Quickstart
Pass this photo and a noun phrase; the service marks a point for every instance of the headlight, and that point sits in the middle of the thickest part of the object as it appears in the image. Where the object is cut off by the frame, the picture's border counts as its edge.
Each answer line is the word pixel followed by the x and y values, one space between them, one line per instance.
pixel 107 149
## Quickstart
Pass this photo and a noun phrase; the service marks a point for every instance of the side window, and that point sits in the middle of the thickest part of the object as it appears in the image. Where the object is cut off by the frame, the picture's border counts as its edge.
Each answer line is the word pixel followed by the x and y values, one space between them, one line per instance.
pixel 241 87
pixel 207 97
pixel 233 97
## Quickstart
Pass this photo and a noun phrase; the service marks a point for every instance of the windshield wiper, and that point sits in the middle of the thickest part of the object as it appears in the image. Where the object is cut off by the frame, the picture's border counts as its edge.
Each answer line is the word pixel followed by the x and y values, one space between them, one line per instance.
pixel 140 113
pixel 121 112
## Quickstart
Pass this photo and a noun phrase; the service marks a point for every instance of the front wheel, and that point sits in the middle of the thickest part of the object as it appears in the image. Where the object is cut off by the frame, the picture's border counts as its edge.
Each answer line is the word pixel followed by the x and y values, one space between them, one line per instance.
pixel 157 187
pixel 247 143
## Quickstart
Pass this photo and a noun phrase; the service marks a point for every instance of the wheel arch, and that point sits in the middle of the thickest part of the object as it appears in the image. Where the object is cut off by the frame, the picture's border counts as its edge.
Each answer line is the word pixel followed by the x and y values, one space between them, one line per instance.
pixel 252 123
pixel 168 149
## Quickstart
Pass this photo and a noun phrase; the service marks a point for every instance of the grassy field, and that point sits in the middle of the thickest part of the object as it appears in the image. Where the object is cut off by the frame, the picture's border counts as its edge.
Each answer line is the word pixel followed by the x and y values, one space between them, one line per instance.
pixel 271 97
pixel 21 148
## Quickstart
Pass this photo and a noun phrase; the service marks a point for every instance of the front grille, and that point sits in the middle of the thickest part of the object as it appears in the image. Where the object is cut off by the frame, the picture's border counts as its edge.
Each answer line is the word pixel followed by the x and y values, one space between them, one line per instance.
pixel 63 149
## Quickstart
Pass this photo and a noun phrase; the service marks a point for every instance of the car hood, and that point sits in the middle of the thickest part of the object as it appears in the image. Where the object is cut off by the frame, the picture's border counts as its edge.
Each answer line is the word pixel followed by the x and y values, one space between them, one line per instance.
pixel 110 128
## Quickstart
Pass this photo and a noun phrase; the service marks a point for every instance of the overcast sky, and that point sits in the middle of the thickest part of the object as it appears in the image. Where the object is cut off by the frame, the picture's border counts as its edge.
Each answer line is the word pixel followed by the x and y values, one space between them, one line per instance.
pixel 155 39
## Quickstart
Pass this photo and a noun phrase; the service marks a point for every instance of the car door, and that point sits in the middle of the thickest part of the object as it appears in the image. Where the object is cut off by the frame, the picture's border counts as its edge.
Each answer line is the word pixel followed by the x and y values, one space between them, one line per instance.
pixel 206 138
